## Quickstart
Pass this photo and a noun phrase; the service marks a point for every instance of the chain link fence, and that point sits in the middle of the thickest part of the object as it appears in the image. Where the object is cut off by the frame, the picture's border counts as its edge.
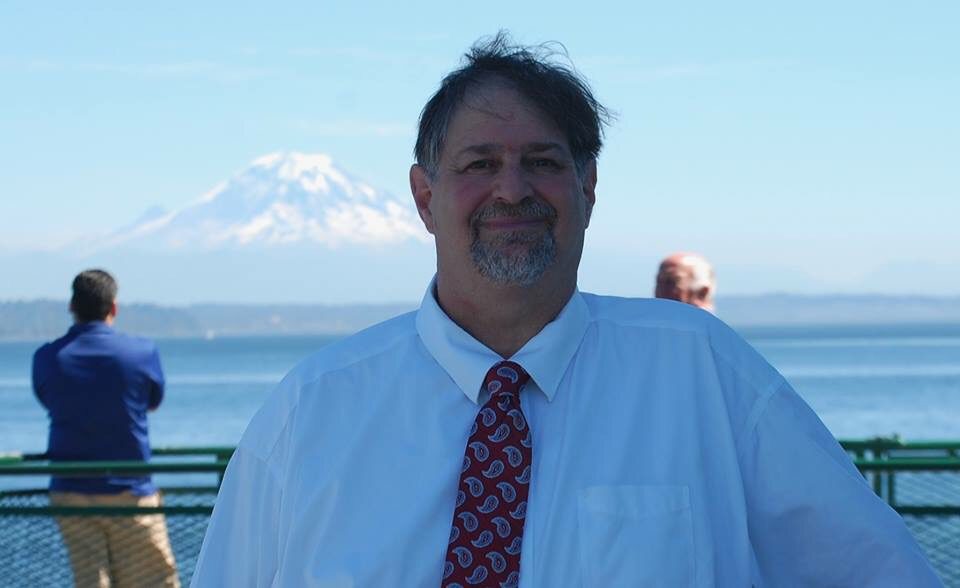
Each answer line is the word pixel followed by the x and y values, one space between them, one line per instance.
pixel 45 544
pixel 43 538
pixel 921 481
pixel 71 539
pixel 939 536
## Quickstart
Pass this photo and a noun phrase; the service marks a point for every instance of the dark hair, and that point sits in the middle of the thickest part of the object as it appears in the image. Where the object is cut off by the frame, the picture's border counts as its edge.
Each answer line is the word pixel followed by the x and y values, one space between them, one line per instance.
pixel 94 292
pixel 555 89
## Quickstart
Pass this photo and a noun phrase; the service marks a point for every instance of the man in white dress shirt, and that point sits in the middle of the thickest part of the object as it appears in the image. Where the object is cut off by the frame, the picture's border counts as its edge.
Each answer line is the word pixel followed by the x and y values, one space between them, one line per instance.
pixel 665 451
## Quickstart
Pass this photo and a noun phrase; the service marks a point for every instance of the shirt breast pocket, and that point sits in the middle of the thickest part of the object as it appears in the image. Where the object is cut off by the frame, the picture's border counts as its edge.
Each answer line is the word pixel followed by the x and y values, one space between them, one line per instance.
pixel 636 536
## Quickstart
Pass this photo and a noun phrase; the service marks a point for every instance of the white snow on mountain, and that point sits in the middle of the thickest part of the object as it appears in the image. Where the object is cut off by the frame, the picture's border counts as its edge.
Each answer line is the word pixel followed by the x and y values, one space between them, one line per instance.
pixel 279 199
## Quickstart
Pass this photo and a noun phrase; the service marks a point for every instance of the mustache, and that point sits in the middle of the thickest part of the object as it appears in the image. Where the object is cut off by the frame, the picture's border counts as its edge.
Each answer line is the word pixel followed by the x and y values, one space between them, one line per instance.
pixel 528 208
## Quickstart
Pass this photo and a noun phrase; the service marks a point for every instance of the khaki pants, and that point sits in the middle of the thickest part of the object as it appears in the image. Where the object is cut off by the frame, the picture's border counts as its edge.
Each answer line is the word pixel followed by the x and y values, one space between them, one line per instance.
pixel 117 551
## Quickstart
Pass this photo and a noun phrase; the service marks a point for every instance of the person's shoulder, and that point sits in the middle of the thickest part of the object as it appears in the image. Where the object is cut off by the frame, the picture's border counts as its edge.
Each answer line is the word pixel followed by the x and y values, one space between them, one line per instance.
pixel 131 344
pixel 49 349
pixel 653 313
pixel 671 316
pixel 352 352
pixel 42 356
pixel 44 350
pixel 355 350
pixel 671 322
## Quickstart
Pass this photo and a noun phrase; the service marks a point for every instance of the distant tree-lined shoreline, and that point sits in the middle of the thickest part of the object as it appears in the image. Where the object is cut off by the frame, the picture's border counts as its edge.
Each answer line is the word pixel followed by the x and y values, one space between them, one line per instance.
pixel 45 319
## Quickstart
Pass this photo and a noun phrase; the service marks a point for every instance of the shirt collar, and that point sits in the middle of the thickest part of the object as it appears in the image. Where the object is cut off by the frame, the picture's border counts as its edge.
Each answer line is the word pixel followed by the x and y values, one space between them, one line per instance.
pixel 89 327
pixel 545 356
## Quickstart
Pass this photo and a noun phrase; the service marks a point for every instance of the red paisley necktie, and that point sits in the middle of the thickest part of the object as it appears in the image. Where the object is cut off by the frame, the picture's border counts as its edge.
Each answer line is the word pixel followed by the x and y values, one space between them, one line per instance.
pixel 484 548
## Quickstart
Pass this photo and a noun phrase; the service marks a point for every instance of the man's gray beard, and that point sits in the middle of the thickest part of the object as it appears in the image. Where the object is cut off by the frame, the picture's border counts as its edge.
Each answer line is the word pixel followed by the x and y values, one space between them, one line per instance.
pixel 521 269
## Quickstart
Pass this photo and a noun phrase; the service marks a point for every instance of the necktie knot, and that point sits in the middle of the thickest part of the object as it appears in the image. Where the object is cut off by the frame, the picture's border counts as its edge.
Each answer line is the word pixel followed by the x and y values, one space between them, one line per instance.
pixel 505 377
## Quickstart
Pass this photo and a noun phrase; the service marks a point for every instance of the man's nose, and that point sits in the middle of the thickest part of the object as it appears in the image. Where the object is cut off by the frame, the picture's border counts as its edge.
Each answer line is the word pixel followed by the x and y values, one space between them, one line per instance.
pixel 512 184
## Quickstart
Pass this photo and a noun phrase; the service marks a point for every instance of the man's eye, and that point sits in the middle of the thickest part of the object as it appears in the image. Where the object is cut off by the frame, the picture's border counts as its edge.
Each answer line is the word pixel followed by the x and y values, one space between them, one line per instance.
pixel 545 163
pixel 479 165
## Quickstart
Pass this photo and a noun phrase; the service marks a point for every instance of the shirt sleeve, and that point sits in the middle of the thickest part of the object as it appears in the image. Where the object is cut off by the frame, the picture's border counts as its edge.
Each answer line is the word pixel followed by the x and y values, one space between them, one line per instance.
pixel 38 375
pixel 157 379
pixel 813 519
pixel 241 544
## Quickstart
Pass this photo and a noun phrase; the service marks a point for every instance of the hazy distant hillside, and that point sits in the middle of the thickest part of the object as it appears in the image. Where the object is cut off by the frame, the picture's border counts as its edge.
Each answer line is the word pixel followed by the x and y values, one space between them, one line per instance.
pixel 791 309
pixel 44 319
pixel 291 319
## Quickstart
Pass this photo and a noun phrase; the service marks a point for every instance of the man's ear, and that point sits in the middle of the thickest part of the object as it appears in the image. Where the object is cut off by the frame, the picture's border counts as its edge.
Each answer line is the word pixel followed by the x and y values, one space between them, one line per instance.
pixel 422 194
pixel 702 293
pixel 589 186
pixel 113 309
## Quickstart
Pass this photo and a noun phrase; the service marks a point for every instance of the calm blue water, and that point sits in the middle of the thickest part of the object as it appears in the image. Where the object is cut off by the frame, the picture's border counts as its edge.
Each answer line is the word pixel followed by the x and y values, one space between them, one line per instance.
pixel 862 381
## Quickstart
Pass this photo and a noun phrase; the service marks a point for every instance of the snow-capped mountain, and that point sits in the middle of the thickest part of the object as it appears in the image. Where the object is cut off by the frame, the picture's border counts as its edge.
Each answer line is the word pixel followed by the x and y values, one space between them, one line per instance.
pixel 279 199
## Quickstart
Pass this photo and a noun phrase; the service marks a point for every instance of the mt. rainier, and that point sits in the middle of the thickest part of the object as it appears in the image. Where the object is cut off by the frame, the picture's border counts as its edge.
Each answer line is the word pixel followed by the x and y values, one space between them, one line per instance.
pixel 279 199
pixel 289 227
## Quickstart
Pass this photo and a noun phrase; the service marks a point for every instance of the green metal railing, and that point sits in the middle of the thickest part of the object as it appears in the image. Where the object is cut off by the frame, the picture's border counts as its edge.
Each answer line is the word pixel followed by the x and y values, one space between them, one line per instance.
pixel 38 540
pixel 916 478
pixel 920 480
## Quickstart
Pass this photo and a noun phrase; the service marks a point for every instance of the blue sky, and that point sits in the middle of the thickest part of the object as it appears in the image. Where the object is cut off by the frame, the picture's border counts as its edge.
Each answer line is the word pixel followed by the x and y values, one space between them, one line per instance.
pixel 806 148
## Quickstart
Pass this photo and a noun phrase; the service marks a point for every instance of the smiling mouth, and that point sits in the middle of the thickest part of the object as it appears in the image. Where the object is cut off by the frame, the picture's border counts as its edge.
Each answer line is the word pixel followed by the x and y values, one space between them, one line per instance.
pixel 528 213
pixel 512 223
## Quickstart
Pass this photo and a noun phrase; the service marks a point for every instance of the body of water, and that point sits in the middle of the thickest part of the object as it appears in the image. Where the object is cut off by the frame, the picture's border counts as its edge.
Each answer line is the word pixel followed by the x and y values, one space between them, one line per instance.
pixel 863 381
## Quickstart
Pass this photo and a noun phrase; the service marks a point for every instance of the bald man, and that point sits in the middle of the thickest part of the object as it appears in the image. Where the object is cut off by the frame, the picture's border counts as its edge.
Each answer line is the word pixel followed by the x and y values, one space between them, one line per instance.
pixel 687 277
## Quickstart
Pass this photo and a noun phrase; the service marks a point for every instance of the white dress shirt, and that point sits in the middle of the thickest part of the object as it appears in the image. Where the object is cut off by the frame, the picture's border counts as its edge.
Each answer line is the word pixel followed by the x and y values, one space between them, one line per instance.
pixel 666 452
